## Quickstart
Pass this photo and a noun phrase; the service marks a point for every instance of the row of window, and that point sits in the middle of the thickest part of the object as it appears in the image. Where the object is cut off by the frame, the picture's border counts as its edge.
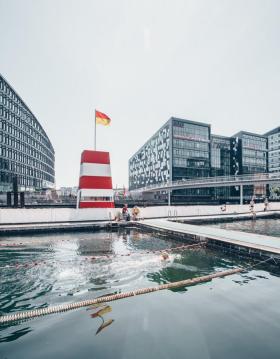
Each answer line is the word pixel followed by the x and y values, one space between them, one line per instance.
pixel 253 142
pixel 19 151
pixel 30 170
pixel 182 153
pixel 190 136
pixel 224 146
pixel 273 140
pixel 179 143
pixel 254 161
pixel 184 162
pixel 22 147
pixel 185 173
pixel 253 169
pixel 28 135
pixel 274 160
pixel 7 177
pixel 274 153
pixel 187 129
pixel 14 104
pixel 253 153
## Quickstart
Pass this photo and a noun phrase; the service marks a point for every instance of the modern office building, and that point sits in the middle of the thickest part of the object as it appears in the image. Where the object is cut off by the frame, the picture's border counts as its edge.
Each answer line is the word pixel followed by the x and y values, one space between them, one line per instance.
pixel 179 150
pixel 184 149
pixel 26 154
pixel 274 159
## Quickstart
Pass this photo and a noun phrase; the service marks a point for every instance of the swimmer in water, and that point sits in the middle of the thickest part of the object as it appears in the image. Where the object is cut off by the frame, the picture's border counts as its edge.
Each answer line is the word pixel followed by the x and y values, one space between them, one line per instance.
pixel 164 256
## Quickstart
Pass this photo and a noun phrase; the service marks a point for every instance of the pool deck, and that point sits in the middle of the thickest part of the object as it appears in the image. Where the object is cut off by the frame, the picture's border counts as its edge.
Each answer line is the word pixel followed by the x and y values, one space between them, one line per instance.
pixel 241 241
pixel 37 228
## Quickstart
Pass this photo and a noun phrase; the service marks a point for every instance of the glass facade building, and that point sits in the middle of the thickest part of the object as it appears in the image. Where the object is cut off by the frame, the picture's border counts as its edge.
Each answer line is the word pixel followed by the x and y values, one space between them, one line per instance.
pixel 273 137
pixel 190 157
pixel 220 163
pixel 26 153
pixel 178 151
pixel 253 154
pixel 151 164
pixel 274 150
pixel 184 149
pixel 249 156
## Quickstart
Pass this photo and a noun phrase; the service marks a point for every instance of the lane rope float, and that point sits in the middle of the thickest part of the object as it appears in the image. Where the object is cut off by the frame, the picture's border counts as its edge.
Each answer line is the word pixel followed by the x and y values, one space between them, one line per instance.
pixel 109 298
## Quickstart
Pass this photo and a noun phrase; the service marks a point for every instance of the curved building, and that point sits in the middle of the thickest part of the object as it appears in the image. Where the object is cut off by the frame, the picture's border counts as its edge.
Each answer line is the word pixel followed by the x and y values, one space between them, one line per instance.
pixel 26 153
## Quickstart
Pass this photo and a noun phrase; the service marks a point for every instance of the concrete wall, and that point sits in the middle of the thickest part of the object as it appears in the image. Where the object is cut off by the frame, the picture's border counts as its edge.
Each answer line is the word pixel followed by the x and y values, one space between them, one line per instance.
pixel 49 215
pixel 181 211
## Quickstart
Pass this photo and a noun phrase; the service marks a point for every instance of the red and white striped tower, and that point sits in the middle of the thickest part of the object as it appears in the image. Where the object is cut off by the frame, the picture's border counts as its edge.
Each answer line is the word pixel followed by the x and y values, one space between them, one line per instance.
pixel 95 185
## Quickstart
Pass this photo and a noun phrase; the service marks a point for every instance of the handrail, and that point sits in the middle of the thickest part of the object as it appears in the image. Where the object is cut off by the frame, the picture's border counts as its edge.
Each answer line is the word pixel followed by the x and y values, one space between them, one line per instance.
pixel 211 180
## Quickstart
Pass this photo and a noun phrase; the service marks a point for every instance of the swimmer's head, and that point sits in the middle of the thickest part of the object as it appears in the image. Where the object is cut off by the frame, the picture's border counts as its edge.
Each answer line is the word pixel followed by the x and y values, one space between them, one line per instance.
pixel 164 256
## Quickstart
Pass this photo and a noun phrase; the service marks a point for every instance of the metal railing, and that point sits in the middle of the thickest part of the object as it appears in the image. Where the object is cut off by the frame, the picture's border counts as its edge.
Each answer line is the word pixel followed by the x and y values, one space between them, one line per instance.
pixel 257 178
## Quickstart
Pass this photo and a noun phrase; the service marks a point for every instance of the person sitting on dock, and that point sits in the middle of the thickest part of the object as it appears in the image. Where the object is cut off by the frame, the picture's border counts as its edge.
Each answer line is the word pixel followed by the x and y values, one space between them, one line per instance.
pixel 135 213
pixel 125 212
pixel 118 216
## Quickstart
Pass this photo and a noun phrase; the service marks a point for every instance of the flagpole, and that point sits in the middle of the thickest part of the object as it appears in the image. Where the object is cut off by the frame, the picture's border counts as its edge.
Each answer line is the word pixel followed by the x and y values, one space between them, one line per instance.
pixel 94 130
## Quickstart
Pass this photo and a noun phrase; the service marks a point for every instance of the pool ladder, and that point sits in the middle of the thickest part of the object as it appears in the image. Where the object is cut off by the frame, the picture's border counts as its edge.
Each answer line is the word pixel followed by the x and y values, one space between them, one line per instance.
pixel 172 215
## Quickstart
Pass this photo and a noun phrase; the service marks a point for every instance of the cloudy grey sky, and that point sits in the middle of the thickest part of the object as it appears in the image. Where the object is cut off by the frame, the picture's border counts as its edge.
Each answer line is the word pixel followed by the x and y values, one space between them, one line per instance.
pixel 140 62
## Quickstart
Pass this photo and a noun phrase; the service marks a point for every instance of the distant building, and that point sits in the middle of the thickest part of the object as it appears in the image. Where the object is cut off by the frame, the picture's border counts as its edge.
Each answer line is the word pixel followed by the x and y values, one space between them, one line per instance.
pixel 26 153
pixel 183 149
pixel 249 156
pixel 220 163
pixel 252 152
pixel 68 191
pixel 274 158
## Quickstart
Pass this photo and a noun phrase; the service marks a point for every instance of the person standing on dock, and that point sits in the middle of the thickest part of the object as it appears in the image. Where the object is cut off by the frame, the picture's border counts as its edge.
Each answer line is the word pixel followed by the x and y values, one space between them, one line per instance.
pixel 224 208
pixel 265 204
pixel 252 209
pixel 252 205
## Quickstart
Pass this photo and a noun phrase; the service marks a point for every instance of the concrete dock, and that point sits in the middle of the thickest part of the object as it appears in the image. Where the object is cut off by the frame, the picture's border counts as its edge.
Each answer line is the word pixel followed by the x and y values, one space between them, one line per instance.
pixel 249 244
pixel 38 228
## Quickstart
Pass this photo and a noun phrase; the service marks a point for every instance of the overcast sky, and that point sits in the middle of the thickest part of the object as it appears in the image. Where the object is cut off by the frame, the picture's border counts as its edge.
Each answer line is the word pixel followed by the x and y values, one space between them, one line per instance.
pixel 140 62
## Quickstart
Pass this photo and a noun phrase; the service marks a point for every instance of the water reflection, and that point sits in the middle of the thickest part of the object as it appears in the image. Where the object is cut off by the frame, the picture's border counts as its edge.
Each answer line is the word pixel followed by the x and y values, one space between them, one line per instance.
pixel 14 335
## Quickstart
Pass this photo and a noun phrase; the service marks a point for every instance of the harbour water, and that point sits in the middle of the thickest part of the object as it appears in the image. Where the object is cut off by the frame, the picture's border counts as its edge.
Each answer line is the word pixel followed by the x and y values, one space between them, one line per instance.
pixel 268 227
pixel 234 317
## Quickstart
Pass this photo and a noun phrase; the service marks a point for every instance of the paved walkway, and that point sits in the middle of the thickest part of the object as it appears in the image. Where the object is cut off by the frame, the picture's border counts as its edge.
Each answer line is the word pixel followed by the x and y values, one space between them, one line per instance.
pixel 249 240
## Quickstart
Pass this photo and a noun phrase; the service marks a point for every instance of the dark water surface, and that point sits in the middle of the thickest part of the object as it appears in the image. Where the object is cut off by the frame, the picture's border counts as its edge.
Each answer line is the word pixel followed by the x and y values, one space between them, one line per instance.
pixel 268 227
pixel 234 317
